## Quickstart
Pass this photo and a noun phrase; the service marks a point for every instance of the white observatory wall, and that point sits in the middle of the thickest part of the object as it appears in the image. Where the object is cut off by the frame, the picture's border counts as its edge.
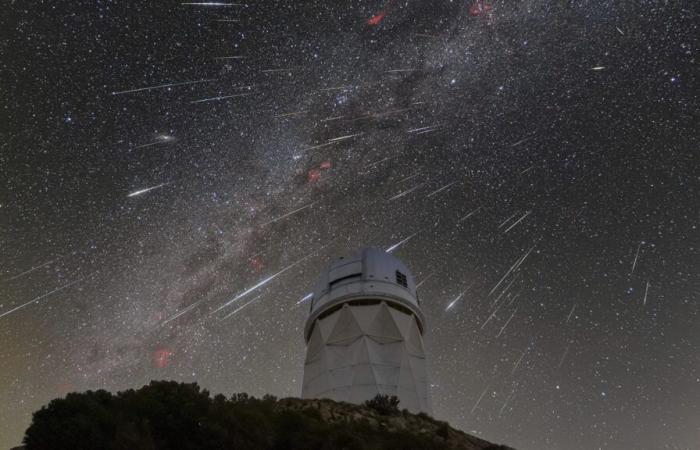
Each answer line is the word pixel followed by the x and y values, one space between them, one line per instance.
pixel 360 351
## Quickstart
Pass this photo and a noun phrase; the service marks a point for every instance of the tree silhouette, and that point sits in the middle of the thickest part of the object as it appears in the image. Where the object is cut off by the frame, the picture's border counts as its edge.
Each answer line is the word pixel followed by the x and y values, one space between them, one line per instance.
pixel 170 415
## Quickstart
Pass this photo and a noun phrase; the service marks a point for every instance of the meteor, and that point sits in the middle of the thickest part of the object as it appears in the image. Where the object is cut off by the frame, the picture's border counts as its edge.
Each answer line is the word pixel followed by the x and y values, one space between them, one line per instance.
pixel 400 243
pixel 518 221
pixel 424 280
pixel 184 311
pixel 372 164
pixel 507 322
pixel 220 97
pixel 469 214
pixel 512 268
pixel 521 141
pixel 401 194
pixel 480 397
pixel 262 283
pixel 27 272
pixel 440 190
pixel 454 302
pixel 506 221
pixel 239 309
pixel 305 298
pixel 143 191
pixel 161 86
pixel 35 300
pixel 210 4
pixel 518 362
pixel 646 292
pixel 342 138
pixel 636 257
pixel 287 215
pixel 424 129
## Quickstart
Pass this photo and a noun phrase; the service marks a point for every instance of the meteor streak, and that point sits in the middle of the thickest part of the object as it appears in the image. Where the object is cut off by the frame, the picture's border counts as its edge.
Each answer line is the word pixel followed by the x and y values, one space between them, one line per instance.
pixel 239 309
pixel 518 362
pixel 178 314
pixel 292 114
pixel 521 141
pixel 423 129
pixel 646 292
pixel 305 298
pixel 515 265
pixel 35 300
pixel 211 4
pixel 372 164
pixel 440 190
pixel 262 283
pixel 424 280
pixel 507 322
pixel 479 400
pixel 280 70
pixel 493 314
pixel 27 272
pixel 469 214
pixel 400 243
pixel 506 221
pixel 401 194
pixel 454 302
pixel 409 177
pixel 526 170
pixel 287 215
pixel 216 99
pixel 505 404
pixel 161 86
pixel 342 138
pixel 143 191
pixel 636 257
pixel 504 291
pixel 561 361
pixel 518 221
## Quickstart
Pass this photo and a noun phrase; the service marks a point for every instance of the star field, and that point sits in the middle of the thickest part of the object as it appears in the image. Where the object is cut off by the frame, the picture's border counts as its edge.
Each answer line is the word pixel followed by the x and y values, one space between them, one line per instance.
pixel 174 175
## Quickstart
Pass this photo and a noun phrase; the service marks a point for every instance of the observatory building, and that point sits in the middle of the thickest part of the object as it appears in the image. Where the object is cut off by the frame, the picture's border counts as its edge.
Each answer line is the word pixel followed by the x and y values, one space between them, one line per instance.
pixel 364 333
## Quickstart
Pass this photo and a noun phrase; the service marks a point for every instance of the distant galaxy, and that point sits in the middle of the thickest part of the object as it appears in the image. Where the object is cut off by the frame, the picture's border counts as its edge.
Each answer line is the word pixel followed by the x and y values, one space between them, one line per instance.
pixel 176 174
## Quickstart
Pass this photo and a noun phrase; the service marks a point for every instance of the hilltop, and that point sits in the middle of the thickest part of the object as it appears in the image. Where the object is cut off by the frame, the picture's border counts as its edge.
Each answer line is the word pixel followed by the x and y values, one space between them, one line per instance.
pixel 170 415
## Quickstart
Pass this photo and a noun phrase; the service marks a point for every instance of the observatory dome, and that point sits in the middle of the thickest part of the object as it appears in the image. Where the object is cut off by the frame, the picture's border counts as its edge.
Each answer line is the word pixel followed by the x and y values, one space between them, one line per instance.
pixel 364 333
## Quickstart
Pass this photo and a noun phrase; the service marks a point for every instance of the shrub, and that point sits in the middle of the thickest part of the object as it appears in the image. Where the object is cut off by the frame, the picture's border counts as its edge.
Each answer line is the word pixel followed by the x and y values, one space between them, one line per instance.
pixel 384 405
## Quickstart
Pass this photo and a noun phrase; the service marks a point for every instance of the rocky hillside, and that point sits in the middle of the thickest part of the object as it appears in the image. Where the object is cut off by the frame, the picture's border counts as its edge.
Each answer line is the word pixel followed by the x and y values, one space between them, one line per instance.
pixel 397 422
pixel 170 415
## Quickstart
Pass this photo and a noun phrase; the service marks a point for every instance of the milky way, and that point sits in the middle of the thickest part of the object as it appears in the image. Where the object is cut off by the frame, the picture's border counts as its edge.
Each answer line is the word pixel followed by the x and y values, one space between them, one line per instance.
pixel 176 174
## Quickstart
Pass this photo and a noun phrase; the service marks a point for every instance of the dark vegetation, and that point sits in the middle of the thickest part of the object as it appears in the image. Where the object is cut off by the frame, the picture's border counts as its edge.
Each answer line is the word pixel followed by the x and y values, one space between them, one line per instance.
pixel 384 405
pixel 170 415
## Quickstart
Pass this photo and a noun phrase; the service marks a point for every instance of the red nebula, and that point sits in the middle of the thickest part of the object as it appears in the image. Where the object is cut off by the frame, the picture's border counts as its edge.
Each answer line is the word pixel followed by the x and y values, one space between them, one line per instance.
pixel 161 357
pixel 325 165
pixel 480 8
pixel 376 19
pixel 256 263
pixel 313 176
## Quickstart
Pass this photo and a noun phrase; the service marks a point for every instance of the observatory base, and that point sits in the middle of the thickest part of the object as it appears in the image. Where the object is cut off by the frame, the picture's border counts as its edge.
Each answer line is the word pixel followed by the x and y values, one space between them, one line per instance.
pixel 356 351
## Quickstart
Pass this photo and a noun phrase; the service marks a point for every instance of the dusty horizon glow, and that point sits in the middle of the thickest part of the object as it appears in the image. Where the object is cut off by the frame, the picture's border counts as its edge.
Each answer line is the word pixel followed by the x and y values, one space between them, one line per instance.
pixel 176 174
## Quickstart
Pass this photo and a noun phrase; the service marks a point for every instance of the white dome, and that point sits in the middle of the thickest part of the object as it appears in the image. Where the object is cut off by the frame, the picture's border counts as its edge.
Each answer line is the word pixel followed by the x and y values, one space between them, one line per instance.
pixel 371 273
pixel 364 333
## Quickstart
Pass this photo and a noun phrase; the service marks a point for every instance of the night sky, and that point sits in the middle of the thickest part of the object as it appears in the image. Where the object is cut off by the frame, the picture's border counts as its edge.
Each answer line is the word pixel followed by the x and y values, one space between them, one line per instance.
pixel 175 175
